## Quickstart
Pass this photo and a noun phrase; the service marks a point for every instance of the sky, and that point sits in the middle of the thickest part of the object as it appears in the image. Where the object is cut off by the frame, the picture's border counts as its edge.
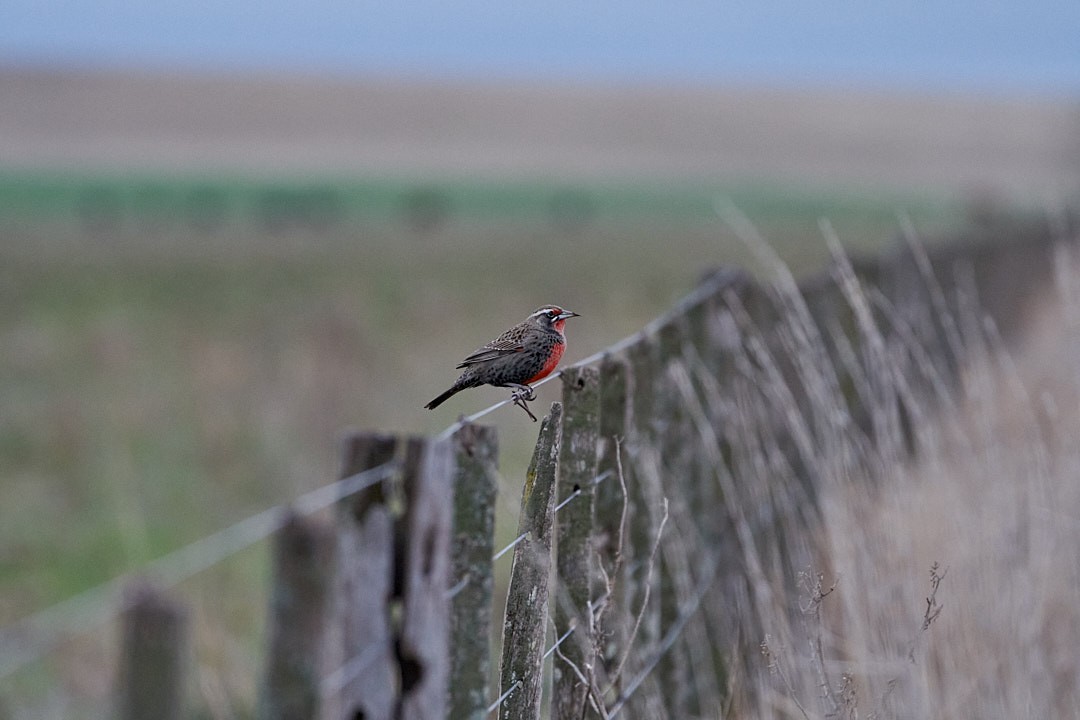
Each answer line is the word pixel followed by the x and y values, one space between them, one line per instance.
pixel 953 45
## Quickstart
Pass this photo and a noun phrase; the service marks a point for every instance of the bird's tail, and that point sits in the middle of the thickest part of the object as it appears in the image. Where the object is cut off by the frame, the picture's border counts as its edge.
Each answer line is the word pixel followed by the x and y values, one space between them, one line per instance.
pixel 444 397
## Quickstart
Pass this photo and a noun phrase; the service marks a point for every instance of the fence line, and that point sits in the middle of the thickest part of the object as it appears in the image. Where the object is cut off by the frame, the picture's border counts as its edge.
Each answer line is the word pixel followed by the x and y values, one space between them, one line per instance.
pixel 666 643
pixel 96 606
pixel 734 406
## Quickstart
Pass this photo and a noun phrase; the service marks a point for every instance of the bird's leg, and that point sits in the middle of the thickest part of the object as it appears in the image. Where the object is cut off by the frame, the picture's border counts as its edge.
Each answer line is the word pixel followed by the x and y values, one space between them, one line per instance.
pixel 526 391
pixel 522 403
pixel 521 397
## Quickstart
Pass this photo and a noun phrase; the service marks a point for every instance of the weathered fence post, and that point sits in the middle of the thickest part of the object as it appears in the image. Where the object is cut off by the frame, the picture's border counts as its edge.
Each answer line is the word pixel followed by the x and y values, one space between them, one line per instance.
pixel 472 545
pixel 714 343
pixel 527 599
pixel 151 678
pixel 610 500
pixel 423 645
pixel 643 517
pixel 577 472
pixel 710 328
pixel 364 666
pixel 303 562
pixel 676 466
pixel 611 511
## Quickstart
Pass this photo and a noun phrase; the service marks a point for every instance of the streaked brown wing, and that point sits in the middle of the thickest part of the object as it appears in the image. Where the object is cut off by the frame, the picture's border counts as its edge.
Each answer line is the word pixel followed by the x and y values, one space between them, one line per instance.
pixel 506 344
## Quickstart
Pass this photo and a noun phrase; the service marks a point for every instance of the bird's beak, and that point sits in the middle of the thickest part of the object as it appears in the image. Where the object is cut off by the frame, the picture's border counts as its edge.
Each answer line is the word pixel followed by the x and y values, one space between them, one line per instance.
pixel 566 314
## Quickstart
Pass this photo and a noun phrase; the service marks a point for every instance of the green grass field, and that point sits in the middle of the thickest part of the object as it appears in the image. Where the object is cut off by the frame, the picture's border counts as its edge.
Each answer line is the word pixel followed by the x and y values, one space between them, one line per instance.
pixel 178 354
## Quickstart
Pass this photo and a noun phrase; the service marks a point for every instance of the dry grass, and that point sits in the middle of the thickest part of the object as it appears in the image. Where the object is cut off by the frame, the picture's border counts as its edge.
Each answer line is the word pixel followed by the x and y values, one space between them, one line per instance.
pixel 943 586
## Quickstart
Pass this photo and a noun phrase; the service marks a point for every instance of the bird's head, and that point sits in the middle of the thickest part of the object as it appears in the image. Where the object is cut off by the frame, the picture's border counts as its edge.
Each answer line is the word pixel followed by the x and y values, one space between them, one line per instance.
pixel 552 316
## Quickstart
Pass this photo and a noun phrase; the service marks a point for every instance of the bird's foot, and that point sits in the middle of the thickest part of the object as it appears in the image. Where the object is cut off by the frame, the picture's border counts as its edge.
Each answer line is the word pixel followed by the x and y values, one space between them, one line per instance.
pixel 527 392
pixel 521 399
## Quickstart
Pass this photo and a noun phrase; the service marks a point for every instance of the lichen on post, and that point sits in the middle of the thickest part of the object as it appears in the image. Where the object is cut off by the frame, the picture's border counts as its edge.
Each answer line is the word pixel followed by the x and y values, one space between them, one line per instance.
pixel 574 526
pixel 471 578
pixel 525 626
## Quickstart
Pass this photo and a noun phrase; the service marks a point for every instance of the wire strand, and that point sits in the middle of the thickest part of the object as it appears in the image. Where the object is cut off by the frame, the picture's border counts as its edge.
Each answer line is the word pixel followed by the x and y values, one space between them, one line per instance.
pixel 499 701
pixel 461 584
pixel 349 671
pixel 668 640
pixel 40 632
pixel 502 698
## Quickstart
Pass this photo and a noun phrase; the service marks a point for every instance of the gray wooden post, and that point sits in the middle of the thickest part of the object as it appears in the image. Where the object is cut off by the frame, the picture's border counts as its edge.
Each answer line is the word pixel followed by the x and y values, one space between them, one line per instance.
pixel 363 668
pixel 716 338
pixel 577 470
pixel 644 373
pixel 669 415
pixel 613 426
pixel 612 509
pixel 643 521
pixel 710 328
pixel 525 627
pixel 423 645
pixel 471 577
pixel 677 453
pixel 151 677
pixel 299 601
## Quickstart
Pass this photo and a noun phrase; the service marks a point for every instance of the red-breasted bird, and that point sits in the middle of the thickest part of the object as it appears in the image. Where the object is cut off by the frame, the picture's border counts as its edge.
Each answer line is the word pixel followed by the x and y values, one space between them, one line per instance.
pixel 524 354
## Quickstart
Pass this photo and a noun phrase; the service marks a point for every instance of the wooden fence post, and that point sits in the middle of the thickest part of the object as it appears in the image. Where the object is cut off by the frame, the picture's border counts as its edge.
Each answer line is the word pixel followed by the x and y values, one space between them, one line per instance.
pixel 364 668
pixel 151 677
pixel 676 481
pixel 577 471
pixel 303 561
pixel 643 518
pixel 525 627
pixel 471 577
pixel 612 508
pixel 716 339
pixel 613 424
pixel 710 327
pixel 424 562
pixel 642 363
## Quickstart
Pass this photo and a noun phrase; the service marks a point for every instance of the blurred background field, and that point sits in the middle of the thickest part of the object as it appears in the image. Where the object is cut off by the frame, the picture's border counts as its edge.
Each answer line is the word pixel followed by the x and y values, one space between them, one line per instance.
pixel 163 381
pixel 170 380
pixel 207 273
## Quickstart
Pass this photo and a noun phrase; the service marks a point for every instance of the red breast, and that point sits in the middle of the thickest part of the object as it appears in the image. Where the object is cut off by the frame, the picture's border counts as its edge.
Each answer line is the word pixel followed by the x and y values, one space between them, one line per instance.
pixel 550 363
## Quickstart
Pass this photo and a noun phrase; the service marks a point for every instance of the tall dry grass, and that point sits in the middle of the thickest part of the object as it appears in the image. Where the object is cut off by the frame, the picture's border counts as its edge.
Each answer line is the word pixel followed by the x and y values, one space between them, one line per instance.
pixel 940 577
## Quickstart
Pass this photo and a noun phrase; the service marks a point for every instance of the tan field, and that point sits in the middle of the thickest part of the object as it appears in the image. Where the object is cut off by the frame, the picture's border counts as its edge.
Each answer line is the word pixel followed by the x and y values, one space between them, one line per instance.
pixel 1001 147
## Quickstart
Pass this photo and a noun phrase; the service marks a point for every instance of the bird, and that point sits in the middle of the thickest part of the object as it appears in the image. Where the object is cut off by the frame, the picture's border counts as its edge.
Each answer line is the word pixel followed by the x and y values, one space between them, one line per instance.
pixel 524 354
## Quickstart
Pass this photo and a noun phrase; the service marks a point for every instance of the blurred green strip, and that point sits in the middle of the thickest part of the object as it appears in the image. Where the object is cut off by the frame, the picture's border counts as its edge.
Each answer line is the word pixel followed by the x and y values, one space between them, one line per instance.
pixel 66 197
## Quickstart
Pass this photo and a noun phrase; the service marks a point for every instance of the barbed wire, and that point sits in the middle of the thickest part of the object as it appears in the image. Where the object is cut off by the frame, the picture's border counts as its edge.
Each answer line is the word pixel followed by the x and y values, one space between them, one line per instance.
pixel 38 633
pixel 349 671
pixel 34 635
pixel 688 610
pixel 502 698
pixel 510 690
pixel 461 584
